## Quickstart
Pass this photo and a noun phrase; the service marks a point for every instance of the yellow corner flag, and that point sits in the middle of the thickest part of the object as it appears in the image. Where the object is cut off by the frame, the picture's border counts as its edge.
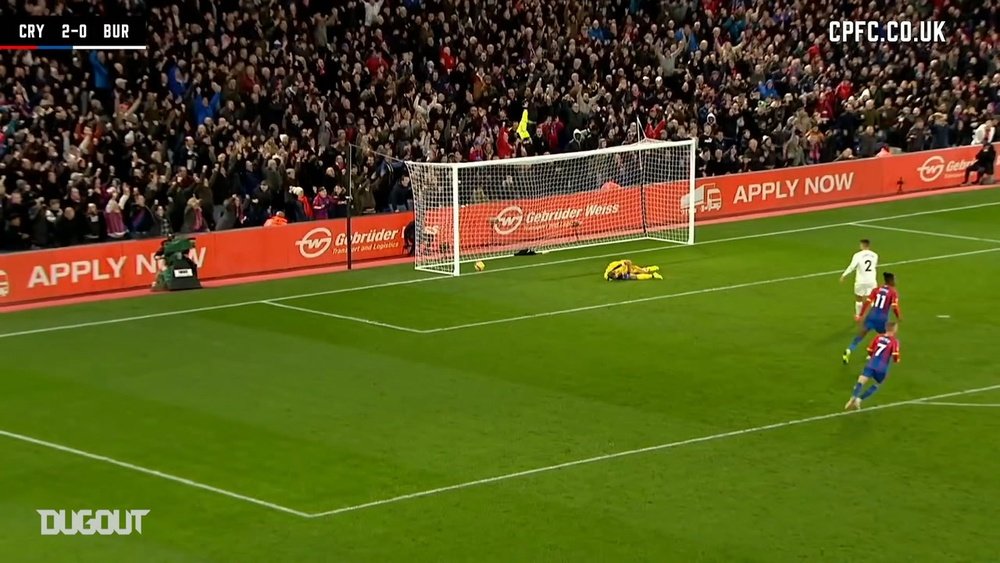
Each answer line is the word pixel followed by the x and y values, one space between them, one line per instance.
pixel 522 127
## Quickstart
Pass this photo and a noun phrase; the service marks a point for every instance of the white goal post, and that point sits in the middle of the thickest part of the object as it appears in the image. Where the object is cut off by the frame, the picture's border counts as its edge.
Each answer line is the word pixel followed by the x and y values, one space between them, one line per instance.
pixel 472 211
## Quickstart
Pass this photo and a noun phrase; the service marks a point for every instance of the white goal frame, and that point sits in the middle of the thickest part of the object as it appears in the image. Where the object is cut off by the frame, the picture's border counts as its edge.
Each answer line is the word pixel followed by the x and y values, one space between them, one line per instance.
pixel 437 187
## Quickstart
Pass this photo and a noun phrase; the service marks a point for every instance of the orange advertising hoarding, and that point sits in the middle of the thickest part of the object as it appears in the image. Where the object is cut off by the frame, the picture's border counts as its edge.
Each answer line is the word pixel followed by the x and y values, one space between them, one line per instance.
pixel 115 266
pixel 927 170
pixel 808 186
pixel 786 188
pixel 511 224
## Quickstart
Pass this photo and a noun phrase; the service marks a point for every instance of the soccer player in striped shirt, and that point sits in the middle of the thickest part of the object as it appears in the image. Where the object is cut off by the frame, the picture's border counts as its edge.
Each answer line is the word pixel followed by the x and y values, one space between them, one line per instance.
pixel 882 353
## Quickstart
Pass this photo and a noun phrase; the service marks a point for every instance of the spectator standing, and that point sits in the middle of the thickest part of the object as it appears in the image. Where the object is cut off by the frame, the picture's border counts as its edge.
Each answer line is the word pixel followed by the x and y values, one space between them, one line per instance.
pixel 94 229
pixel 794 150
pixel 232 209
pixel 41 225
pixel 161 226
pixel 867 142
pixel 113 220
pixel 339 205
pixel 194 217
pixel 300 204
pixel 754 156
pixel 139 217
pixel 321 205
pixel 940 132
pixel 15 237
pixel 916 137
pixel 68 230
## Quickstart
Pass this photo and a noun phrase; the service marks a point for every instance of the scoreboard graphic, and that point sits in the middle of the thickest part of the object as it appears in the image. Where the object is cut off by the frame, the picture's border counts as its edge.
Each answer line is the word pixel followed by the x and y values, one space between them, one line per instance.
pixel 66 33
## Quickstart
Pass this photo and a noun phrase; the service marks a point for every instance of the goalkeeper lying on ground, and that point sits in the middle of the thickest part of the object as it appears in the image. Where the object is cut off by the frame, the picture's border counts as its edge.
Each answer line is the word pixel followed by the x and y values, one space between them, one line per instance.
pixel 621 270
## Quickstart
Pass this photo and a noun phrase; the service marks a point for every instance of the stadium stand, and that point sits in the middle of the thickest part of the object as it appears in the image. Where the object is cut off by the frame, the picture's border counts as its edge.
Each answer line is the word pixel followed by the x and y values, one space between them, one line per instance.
pixel 241 109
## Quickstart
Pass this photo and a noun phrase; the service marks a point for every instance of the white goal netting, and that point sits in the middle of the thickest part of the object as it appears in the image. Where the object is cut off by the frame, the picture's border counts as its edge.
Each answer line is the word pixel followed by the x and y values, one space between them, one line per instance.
pixel 476 211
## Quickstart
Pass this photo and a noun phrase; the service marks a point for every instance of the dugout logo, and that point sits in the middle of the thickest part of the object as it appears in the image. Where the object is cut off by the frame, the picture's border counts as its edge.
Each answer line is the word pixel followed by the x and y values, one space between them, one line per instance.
pixel 931 169
pixel 4 284
pixel 91 522
pixel 315 243
pixel 508 220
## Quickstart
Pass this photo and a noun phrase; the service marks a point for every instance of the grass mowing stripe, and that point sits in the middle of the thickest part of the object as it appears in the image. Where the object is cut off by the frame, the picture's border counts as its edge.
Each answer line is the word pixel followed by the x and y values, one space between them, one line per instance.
pixel 490 271
pixel 342 317
pixel 430 492
pixel 688 293
pixel 153 472
pixel 927 233
pixel 658 447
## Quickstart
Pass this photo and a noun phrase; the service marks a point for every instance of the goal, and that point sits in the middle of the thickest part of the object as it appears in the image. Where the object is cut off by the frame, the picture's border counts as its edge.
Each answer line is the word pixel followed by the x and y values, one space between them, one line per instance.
pixel 466 212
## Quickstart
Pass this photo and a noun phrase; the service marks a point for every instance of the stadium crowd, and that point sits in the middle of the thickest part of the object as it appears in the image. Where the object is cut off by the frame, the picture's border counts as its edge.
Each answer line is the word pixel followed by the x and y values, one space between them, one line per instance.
pixel 243 109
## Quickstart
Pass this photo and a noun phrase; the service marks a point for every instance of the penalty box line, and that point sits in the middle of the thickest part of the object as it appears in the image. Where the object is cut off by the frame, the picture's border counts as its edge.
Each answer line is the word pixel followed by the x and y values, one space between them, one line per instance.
pixel 153 472
pixel 648 449
pixel 692 292
pixel 870 225
pixel 951 404
pixel 274 300
pixel 341 317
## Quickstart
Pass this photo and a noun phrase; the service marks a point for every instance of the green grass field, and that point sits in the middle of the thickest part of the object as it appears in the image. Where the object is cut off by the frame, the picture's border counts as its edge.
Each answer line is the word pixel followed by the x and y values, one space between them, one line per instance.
pixel 531 413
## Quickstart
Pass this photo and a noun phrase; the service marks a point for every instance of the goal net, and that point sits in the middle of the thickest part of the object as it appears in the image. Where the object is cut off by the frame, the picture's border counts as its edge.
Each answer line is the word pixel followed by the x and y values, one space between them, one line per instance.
pixel 467 212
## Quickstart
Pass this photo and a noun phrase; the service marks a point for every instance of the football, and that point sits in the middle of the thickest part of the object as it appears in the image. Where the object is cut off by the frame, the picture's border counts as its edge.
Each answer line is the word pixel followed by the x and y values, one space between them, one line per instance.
pixel 480 266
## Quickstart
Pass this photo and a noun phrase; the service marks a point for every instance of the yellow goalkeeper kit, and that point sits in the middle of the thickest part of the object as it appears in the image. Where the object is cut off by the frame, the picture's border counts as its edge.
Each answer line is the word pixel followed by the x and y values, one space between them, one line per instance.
pixel 622 270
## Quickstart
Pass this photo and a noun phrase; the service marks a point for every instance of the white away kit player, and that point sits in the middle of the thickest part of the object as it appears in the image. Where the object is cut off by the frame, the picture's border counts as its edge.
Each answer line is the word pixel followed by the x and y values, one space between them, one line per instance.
pixel 864 264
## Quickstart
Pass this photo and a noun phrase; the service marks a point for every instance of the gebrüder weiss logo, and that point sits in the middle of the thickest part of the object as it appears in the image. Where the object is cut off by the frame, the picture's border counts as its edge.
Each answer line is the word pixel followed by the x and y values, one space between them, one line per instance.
pixel 931 169
pixel 315 243
pixel 508 220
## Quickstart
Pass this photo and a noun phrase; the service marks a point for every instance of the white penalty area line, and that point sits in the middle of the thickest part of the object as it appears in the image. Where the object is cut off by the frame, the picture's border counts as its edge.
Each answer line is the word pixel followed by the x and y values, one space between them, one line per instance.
pixel 692 292
pixel 121 320
pixel 431 492
pixel 927 233
pixel 341 317
pixel 153 472
pixel 628 453
pixel 273 300
pixel 948 404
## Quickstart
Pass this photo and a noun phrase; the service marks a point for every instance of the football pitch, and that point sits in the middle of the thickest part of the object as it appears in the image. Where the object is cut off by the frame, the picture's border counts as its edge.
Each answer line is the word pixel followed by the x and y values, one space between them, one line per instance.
pixel 533 412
